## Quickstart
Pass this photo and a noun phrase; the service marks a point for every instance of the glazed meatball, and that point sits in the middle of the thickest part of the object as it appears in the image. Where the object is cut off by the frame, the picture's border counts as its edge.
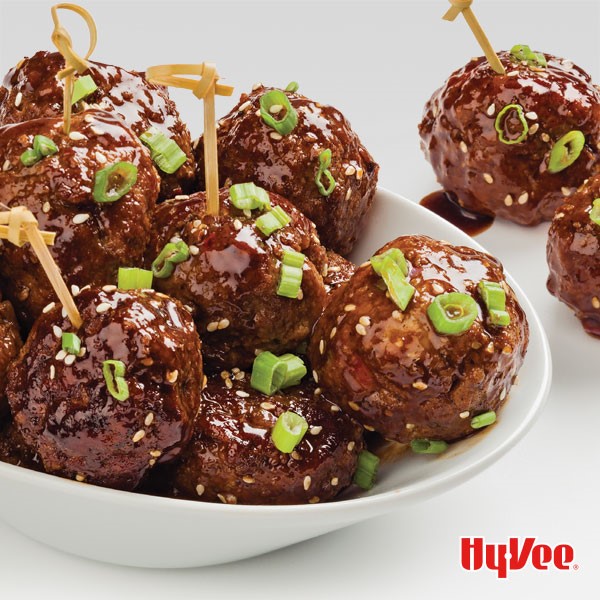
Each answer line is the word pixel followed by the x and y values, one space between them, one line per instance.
pixel 93 238
pixel 574 256
pixel 32 90
pixel 339 272
pixel 10 344
pixel 232 457
pixel 490 138
pixel 393 371
pixel 72 409
pixel 231 277
pixel 250 150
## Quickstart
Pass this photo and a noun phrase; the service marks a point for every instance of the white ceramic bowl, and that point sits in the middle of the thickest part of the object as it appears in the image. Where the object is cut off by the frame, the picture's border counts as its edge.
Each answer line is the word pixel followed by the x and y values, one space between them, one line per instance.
pixel 136 530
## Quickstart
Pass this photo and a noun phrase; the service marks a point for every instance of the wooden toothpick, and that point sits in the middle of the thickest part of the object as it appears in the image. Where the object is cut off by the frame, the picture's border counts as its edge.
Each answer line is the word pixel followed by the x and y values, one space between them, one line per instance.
pixel 74 63
pixel 205 89
pixel 464 7
pixel 20 221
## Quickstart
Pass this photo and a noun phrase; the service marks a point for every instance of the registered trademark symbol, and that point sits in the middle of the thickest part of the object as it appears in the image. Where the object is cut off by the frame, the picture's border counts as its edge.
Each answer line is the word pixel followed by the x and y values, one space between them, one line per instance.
pixel 575 567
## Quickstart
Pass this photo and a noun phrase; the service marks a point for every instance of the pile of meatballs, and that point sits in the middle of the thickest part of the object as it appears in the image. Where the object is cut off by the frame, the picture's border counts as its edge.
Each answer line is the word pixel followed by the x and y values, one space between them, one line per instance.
pixel 525 146
pixel 238 357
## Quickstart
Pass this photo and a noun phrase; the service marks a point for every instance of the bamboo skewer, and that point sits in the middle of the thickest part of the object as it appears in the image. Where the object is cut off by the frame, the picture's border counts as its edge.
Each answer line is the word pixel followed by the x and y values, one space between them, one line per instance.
pixel 464 7
pixel 74 63
pixel 205 89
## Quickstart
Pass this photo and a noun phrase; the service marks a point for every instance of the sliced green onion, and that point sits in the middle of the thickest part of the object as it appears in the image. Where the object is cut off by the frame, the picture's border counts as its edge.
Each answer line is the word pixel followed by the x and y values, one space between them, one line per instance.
pixel 424 446
pixel 288 431
pixel 273 220
pixel 291 258
pixel 292 87
pixel 566 151
pixel 453 313
pixel 114 375
pixel 492 294
pixel 134 279
pixel 114 181
pixel 522 52
pixel 71 344
pixel 324 164
pixel 366 470
pixel 84 86
pixel 395 254
pixel 501 121
pixel 248 196
pixel 595 212
pixel 171 255
pixel 30 157
pixel 44 146
pixel 290 282
pixel 399 289
pixel 165 152
pixel 499 318
pixel 295 370
pixel 278 98
pixel 268 373
pixel 483 420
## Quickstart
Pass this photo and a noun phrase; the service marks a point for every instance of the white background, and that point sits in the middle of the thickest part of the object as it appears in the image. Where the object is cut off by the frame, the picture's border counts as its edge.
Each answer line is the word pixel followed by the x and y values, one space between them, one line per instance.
pixel 378 62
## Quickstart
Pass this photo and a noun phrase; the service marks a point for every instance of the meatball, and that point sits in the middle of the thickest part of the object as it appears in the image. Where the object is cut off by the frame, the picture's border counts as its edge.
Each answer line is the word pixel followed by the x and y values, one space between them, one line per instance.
pixel 393 371
pixel 339 271
pixel 231 277
pixel 10 344
pixel 72 409
pixel 490 137
pixel 232 457
pixel 32 90
pixel 93 238
pixel 574 256
pixel 250 150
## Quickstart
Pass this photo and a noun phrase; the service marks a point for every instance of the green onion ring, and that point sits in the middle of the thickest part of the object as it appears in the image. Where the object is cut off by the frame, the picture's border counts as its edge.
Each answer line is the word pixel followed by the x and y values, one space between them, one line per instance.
pixel 499 124
pixel 453 313
pixel 114 376
pixel 566 151
pixel 595 212
pixel 366 470
pixel 278 98
pixel 288 432
pixel 424 446
pixel 113 182
pixel 171 255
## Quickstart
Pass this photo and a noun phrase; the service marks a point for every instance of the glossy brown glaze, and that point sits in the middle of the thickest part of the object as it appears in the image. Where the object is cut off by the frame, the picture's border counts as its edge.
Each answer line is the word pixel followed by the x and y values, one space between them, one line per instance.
pixel 14 450
pixel 233 459
pixel 574 256
pixel 339 271
pixel 230 280
pixel 512 181
pixel 10 344
pixel 59 192
pixel 394 373
pixel 32 90
pixel 65 412
pixel 248 151
pixel 444 205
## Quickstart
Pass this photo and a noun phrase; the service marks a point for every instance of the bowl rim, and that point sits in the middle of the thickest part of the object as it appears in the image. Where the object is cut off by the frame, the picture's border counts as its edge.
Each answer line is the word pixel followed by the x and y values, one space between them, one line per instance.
pixel 457 474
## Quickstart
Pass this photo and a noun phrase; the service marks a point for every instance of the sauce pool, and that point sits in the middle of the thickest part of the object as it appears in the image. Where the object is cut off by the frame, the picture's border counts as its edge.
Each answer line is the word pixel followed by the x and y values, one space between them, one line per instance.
pixel 444 205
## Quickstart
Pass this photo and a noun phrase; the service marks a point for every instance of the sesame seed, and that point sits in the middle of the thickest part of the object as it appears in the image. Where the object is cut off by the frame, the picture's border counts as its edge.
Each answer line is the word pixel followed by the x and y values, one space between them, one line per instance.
pixel 97 130
pixel 545 137
pixel 227 498
pixel 566 191
pixel 175 239
pixel 512 74
pixel 61 355
pixel 248 479
pixel 534 129
pixel 369 428
pixel 109 288
pixel 300 295
pixel 103 307
pixel 463 147
pixel 80 218
pixel 63 312
pixel 52 372
pixel 491 110
pixel 360 329
pixel 149 419
pixel 242 394
pixel 334 481
pixel 245 106
pixel 314 500
pixel 348 193
pixel 322 347
pixel 350 307
pixel 57 331
pixel 212 326
pixel 437 288
pixel 247 212
pixel 237 224
pixel 256 86
pixel 410 426
pixel 100 158
pixel 77 136
pixel 476 345
pixel 315 376
pixel 18 99
pixel 172 376
pixel 351 446
pixel 508 200
pixel 364 320
pixel 503 394
pixel 359 173
pixel 194 250
pixel 82 352
pixel 275 136
pixel 276 108
pixel 396 314
pixel 257 113
pixel 332 333
pixel 507 350
pixel 464 414
pixel 523 198
pixel 295 455
pixel 559 215
pixel 48 307
pixel 596 302
pixel 6 165
pixel 200 489
pixel 152 462
pixel 531 115
pixel 79 477
pixel 70 359
pixel 335 408
pixel 75 290
pixel 350 170
pixel 316 430
pixel 156 453
pixel 488 178
pixel 139 436
pixel 420 385
pixel 490 348
pixel 223 324
pixel 182 197
pixel 228 384
pixel 353 405
pixel 307 482
pixel 239 376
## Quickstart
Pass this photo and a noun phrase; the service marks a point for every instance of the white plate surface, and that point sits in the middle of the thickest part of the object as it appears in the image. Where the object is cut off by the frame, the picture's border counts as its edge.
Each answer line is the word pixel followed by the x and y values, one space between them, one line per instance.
pixel 136 530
